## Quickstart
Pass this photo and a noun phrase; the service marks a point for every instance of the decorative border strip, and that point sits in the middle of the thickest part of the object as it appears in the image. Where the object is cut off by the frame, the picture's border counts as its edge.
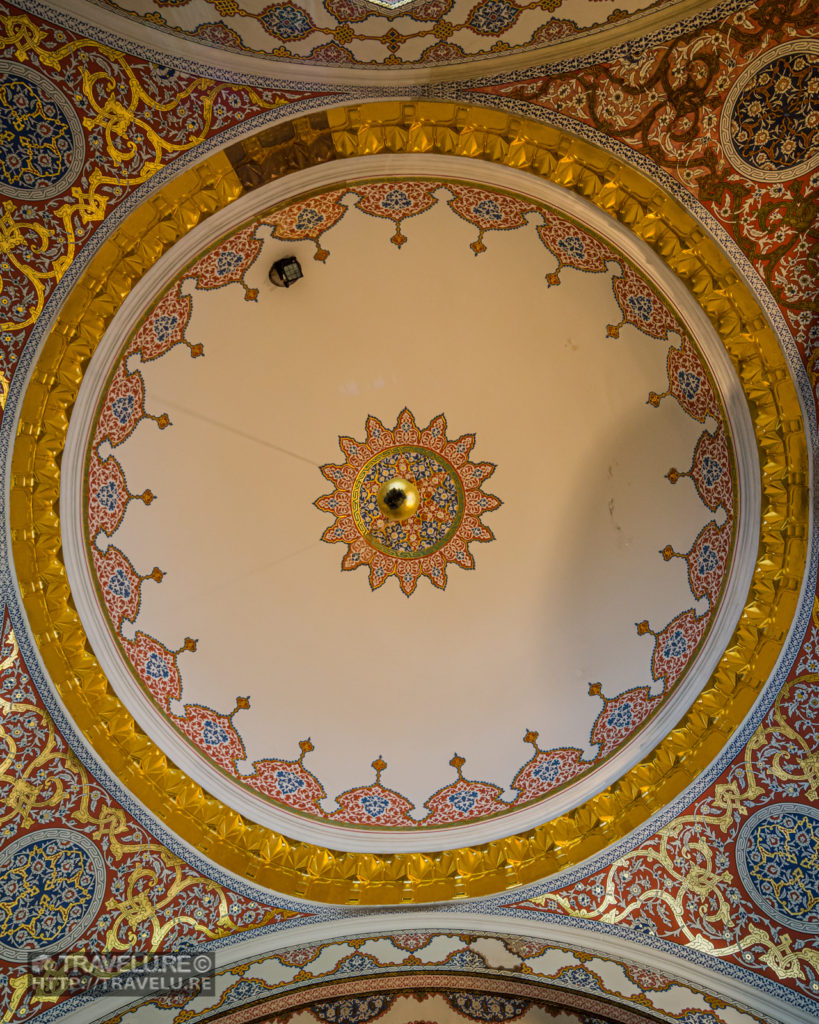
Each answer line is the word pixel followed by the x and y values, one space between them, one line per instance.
pixel 421 985
pixel 300 868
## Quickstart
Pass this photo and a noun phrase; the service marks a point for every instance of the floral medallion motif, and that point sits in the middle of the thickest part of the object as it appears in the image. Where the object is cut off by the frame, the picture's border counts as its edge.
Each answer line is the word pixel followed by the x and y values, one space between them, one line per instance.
pixel 40 149
pixel 441 506
pixel 449 509
pixel 771 115
pixel 778 861
pixel 52 884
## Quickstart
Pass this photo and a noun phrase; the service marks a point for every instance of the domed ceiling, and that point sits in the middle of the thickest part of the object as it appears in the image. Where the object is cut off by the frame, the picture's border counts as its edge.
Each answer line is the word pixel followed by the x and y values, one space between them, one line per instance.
pixel 558 669
pixel 604 582
pixel 476 565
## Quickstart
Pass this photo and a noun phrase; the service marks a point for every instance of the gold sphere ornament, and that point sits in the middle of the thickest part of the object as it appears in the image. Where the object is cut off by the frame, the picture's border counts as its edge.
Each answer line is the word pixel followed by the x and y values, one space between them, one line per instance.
pixel 398 499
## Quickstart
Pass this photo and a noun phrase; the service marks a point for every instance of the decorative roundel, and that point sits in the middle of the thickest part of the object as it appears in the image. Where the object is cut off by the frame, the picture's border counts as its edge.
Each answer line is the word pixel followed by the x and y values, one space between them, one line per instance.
pixel 769 125
pixel 778 861
pixel 53 883
pixel 42 148
pixel 439 511
pixel 444 485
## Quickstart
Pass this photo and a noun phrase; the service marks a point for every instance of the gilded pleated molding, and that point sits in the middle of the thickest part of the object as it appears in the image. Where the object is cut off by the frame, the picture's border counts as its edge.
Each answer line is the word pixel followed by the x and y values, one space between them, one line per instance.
pixel 302 869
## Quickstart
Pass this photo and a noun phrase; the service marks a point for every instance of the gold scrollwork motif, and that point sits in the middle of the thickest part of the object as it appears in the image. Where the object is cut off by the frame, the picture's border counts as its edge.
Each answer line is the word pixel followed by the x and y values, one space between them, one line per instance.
pixel 690 873
pixel 127 120
pixel 147 900
pixel 301 869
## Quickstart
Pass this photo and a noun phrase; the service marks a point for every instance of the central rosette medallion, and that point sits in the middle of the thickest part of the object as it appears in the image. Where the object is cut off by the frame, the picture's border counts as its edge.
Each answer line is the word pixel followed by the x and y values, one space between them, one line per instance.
pixel 407 501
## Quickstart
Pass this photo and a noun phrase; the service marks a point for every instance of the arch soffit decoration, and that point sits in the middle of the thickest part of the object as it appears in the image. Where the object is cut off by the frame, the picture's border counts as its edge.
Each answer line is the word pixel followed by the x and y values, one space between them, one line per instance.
pixel 172 44
pixel 301 869
pixel 457 951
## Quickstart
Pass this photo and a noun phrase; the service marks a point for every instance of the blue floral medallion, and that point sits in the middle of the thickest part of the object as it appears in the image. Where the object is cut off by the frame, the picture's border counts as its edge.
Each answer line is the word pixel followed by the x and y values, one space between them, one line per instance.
pixel 768 122
pixel 41 141
pixel 493 17
pixel 445 513
pixel 488 1006
pixel 442 502
pixel 286 21
pixel 778 862
pixel 52 883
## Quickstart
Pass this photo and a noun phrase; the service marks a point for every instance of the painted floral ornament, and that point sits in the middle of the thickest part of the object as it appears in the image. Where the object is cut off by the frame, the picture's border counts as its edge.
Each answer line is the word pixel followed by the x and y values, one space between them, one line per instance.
pixel 407 502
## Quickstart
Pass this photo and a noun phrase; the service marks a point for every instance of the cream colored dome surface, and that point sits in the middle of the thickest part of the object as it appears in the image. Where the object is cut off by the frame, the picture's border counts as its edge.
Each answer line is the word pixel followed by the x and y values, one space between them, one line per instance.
pixel 572 448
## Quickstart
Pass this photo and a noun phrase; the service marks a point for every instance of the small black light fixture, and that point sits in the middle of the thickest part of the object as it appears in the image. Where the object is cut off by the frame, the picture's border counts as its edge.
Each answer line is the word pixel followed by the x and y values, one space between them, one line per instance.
pixel 285 272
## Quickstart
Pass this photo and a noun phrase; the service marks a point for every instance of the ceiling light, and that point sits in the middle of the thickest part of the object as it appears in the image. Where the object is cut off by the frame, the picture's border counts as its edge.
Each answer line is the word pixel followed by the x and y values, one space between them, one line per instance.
pixel 285 272
pixel 398 499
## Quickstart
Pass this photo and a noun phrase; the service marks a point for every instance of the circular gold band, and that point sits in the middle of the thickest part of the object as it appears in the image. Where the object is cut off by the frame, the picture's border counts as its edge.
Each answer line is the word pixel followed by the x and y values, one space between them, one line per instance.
pixel 251 850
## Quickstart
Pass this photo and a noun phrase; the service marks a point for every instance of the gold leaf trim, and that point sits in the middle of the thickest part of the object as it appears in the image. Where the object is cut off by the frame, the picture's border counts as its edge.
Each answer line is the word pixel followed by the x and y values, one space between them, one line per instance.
pixel 242 846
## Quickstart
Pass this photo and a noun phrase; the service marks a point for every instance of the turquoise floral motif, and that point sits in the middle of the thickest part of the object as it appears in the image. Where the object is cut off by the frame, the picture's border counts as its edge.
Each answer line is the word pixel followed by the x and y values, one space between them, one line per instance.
pixel 689 383
pixel 355 964
pixel 119 585
pixel 156 667
pixel 573 247
pixel 463 800
pixel 289 782
pixel 308 218
pixel 708 560
pixel 676 645
pixel 488 209
pixel 227 263
pixel 108 496
pixel 548 771
pixel 579 977
pixel 164 326
pixel 395 199
pixel 122 408
pixel 466 958
pixel 245 991
pixel 374 804
pixel 641 306
pixel 621 717
pixel 711 471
